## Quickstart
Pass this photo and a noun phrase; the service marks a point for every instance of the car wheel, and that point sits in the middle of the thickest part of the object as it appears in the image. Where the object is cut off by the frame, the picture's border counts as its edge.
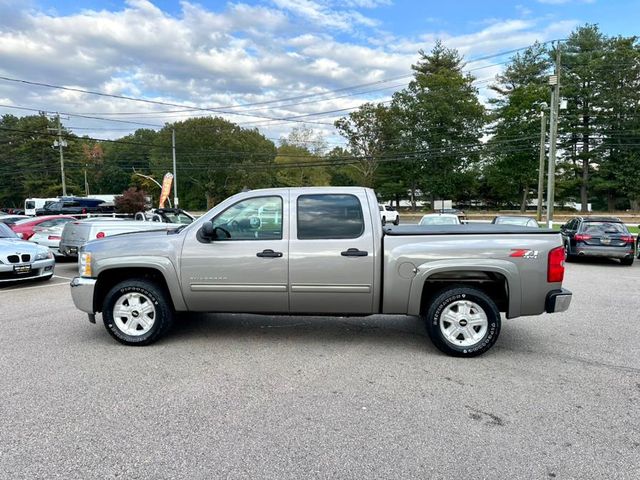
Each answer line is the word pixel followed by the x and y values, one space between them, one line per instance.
pixel 397 221
pixel 384 220
pixel 567 253
pixel 627 260
pixel 137 312
pixel 463 322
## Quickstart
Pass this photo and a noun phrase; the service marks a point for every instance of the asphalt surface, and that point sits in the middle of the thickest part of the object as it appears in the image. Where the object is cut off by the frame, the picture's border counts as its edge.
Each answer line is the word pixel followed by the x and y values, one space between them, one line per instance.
pixel 245 396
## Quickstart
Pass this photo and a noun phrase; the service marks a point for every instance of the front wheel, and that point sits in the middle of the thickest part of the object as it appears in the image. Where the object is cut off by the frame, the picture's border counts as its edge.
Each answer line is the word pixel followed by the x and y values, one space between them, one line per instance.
pixel 397 221
pixel 384 221
pixel 137 312
pixel 463 322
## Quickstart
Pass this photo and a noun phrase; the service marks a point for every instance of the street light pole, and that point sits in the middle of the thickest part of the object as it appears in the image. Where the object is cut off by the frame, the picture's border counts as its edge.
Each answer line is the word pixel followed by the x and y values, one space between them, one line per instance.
pixel 175 177
pixel 554 81
pixel 543 125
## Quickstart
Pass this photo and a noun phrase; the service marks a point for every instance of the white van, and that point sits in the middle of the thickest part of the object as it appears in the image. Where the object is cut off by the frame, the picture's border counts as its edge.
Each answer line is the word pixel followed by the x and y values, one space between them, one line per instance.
pixel 32 204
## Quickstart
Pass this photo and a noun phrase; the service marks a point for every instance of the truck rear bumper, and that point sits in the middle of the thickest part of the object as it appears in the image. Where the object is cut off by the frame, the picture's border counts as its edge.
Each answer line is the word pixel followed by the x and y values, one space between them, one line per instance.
pixel 558 301
pixel 82 290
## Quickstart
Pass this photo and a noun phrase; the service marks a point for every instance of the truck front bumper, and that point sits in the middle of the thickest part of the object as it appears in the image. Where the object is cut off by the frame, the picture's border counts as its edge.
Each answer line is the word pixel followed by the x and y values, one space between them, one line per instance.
pixel 82 290
pixel 558 301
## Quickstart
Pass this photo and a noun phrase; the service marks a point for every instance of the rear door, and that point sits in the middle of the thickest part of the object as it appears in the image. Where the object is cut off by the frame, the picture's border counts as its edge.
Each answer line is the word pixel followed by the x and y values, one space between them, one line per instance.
pixel 331 264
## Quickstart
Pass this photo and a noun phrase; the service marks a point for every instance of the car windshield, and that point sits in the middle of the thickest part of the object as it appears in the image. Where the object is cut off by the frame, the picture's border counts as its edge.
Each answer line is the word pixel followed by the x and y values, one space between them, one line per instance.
pixel 522 221
pixel 178 218
pixel 6 232
pixel 598 228
pixel 439 221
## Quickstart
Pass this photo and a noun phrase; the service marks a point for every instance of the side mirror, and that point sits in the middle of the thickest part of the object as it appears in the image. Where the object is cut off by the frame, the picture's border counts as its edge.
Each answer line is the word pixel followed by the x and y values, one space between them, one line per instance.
pixel 208 231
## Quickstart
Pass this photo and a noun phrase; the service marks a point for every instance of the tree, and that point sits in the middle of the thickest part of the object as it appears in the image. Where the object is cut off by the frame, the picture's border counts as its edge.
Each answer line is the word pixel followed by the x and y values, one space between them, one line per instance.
pixel 215 158
pixel 440 124
pixel 583 67
pixel 298 157
pixel 366 132
pixel 512 169
pixel 131 201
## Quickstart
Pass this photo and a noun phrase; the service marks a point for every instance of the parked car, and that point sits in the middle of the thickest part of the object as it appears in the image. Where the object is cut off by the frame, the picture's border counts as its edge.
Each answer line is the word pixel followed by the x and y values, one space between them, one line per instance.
pixel 323 251
pixel 49 237
pixel 165 215
pixel 11 220
pixel 598 237
pixel 76 234
pixel 75 206
pixel 515 220
pixel 388 214
pixel 22 260
pixel 25 228
pixel 31 205
pixel 440 219
pixel 454 211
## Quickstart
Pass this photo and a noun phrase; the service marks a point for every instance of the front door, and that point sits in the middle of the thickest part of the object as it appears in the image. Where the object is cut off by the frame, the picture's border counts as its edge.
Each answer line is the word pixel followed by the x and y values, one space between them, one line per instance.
pixel 245 269
pixel 331 259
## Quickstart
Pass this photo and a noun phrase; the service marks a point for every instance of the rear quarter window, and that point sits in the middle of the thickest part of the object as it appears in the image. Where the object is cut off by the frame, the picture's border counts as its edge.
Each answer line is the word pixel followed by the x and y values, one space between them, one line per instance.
pixel 327 216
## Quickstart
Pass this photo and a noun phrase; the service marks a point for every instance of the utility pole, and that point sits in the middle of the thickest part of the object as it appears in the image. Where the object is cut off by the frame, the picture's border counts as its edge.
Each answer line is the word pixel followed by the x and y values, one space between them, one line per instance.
pixel 543 128
pixel 175 178
pixel 554 81
pixel 64 183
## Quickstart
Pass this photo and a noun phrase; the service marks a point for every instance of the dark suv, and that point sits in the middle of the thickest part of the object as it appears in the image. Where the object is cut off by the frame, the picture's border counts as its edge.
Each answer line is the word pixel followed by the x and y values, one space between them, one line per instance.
pixel 75 206
pixel 598 237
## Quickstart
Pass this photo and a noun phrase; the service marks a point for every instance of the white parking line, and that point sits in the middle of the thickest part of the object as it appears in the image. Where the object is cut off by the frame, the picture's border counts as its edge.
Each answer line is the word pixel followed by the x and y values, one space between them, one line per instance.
pixel 60 276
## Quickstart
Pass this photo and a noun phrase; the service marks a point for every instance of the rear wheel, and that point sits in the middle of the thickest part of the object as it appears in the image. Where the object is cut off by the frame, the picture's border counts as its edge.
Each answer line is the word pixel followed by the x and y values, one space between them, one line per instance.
pixel 463 322
pixel 136 312
pixel 627 260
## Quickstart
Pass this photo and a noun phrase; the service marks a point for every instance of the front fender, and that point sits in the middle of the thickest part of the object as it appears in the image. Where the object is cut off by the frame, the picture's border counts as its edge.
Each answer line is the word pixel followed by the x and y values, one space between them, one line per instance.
pixel 161 264
pixel 502 267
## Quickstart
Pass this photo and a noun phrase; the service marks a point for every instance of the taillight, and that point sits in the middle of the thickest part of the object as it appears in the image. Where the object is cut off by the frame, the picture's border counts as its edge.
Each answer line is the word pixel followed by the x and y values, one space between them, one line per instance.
pixel 581 237
pixel 100 235
pixel 628 239
pixel 53 237
pixel 555 265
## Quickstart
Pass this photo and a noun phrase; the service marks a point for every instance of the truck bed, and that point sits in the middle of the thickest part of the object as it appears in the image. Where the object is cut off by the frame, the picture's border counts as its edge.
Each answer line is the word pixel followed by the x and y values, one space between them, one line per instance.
pixel 465 229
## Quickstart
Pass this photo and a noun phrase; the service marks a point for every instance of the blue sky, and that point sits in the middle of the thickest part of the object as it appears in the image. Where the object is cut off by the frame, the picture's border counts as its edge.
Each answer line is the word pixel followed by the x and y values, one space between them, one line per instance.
pixel 217 54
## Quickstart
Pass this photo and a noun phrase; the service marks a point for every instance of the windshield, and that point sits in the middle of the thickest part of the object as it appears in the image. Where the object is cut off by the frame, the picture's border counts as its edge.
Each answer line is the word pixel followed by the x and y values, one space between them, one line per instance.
pixel 522 221
pixel 178 218
pixel 29 204
pixel 6 232
pixel 439 221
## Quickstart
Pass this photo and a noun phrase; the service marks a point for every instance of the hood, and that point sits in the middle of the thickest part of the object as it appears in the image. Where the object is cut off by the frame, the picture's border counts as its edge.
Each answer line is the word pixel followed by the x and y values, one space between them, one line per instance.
pixel 11 246
pixel 149 242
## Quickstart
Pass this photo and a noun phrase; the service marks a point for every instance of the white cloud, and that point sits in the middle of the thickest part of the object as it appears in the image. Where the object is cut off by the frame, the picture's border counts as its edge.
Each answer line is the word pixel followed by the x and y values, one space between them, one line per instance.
pixel 233 55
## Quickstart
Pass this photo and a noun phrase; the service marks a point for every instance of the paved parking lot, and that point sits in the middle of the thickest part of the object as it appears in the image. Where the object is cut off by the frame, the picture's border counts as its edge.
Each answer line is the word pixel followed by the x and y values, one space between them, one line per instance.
pixel 245 396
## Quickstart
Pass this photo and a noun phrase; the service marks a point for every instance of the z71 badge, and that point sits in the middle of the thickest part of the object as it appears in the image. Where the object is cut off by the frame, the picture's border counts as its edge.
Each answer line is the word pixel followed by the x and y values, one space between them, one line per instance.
pixel 523 253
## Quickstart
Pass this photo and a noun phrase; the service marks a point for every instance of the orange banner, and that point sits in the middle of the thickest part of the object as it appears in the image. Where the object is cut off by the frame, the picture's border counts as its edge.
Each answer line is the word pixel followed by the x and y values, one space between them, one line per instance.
pixel 166 188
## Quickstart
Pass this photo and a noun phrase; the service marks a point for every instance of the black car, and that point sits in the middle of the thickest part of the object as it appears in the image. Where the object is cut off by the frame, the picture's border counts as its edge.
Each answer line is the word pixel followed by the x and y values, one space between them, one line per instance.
pixel 598 237
pixel 75 206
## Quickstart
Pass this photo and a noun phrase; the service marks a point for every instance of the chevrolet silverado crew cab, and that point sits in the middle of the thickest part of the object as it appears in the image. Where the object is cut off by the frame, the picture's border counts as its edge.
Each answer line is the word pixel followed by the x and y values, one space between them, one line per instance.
pixel 322 251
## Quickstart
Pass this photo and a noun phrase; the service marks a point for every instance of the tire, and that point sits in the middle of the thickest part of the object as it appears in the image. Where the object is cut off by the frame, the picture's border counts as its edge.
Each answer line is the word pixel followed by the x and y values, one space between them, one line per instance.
pixel 384 221
pixel 627 261
pixel 567 255
pixel 397 220
pixel 463 305
pixel 137 326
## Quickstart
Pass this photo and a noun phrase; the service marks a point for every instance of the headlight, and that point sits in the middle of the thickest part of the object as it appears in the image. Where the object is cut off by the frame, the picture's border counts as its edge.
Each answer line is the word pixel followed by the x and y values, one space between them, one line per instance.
pixel 42 255
pixel 85 264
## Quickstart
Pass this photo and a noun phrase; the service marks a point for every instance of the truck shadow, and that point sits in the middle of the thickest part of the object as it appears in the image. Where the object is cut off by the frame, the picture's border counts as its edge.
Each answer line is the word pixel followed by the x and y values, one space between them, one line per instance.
pixel 378 329
pixel 605 262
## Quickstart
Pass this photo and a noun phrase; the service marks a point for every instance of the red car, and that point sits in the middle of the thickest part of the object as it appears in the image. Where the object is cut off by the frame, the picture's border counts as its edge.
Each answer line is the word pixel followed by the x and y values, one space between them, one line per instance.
pixel 24 228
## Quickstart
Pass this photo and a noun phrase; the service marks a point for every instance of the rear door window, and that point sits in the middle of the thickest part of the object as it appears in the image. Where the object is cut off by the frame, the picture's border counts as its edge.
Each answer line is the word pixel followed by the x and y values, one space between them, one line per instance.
pixel 327 216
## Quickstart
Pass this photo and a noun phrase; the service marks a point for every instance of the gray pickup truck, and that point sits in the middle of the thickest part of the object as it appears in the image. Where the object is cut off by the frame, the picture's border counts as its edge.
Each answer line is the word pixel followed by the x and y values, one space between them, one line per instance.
pixel 322 250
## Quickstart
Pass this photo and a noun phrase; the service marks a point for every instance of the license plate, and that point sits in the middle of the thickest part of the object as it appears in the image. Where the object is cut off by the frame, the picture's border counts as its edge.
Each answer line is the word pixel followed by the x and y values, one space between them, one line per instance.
pixel 605 241
pixel 22 268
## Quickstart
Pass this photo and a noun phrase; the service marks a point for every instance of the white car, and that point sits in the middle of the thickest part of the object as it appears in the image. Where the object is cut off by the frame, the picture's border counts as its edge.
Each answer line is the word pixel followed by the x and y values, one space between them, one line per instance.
pixel 49 237
pixel 440 219
pixel 389 215
pixel 22 260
